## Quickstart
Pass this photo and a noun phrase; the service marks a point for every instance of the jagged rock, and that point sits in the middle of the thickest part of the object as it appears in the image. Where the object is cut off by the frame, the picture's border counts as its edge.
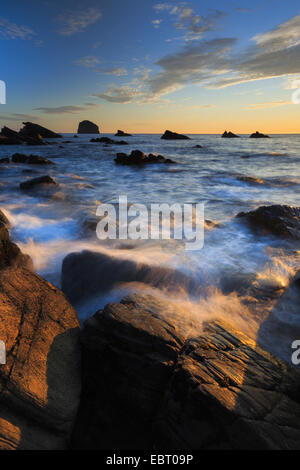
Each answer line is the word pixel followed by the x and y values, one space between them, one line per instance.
pixel 137 157
pixel 149 386
pixel 88 127
pixel 280 220
pixel 10 140
pixel 108 141
pixel 30 140
pixel 40 382
pixel 34 130
pixel 42 180
pixel 30 159
pixel 258 135
pixel 122 134
pixel 169 135
pixel 10 253
pixel 229 135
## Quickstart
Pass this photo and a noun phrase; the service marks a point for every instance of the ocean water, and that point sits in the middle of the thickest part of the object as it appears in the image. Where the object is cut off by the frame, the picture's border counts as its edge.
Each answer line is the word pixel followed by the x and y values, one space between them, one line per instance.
pixel 48 224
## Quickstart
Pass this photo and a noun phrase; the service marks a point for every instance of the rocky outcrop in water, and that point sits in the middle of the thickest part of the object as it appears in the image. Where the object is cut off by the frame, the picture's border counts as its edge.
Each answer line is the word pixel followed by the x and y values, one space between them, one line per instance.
pixel 30 159
pixel 137 157
pixel 10 137
pixel 40 382
pixel 169 135
pixel 258 135
pixel 279 220
pixel 87 127
pixel 146 385
pixel 33 130
pixel 108 141
pixel 229 135
pixel 41 180
pixel 122 134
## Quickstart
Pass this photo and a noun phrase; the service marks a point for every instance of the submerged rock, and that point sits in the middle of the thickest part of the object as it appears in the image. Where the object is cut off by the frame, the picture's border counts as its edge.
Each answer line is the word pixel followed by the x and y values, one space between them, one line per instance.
pixel 108 141
pixel 137 157
pixel 229 135
pixel 250 179
pixel 258 135
pixel 280 220
pixel 10 253
pixel 42 180
pixel 169 135
pixel 4 160
pixel 87 127
pixel 147 385
pixel 122 134
pixel 40 383
pixel 34 130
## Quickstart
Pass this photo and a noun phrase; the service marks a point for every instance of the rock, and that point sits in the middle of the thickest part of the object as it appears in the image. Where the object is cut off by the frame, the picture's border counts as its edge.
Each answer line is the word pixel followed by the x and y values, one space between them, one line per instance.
pixel 10 140
pixel 197 147
pixel 250 179
pixel 88 273
pixel 34 130
pixel 30 159
pixel 122 134
pixel 137 157
pixel 280 220
pixel 40 382
pixel 75 136
pixel 229 135
pixel 4 160
pixel 258 135
pixel 147 385
pixel 108 141
pixel 35 139
pixel 10 253
pixel 88 127
pixel 169 135
pixel 42 180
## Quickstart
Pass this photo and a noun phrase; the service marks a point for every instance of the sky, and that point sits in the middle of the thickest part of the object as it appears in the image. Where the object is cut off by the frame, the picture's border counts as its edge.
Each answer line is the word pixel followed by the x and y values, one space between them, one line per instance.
pixel 145 66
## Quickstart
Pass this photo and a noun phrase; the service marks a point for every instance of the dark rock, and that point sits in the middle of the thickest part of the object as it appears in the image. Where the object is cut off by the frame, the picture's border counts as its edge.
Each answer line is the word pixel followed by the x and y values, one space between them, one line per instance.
pixel 280 220
pixel 250 179
pixel 75 136
pixel 169 135
pixel 42 180
pixel 229 135
pixel 4 160
pixel 87 273
pixel 108 141
pixel 140 158
pixel 10 253
pixel 30 159
pixel 197 147
pixel 88 127
pixel 40 383
pixel 10 140
pixel 34 130
pixel 122 134
pixel 149 386
pixel 258 135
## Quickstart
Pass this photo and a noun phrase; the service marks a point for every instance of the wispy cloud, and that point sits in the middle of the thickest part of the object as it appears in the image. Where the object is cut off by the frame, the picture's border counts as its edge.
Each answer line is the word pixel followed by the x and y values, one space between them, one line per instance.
pixel 69 109
pixel 88 61
pixel 124 94
pixel 76 22
pixel 17 117
pixel 119 72
pixel 156 23
pixel 10 30
pixel 267 105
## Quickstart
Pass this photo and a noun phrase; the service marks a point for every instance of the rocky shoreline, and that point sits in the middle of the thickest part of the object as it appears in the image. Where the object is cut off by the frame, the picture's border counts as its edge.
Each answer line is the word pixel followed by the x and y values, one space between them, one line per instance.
pixel 131 378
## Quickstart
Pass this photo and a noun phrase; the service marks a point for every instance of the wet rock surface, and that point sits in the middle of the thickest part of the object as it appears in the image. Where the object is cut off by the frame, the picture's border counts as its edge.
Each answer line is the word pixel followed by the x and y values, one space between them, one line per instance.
pixel 279 220
pixel 40 382
pixel 137 157
pixel 36 182
pixel 149 386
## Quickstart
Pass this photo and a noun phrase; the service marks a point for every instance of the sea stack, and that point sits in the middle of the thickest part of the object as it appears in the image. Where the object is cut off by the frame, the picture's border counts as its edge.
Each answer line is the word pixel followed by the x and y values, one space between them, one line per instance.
pixel 88 127
pixel 122 134
pixel 258 135
pixel 33 130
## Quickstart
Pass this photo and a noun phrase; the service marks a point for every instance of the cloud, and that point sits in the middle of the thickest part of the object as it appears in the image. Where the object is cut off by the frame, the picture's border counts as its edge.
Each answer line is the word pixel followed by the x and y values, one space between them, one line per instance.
pixel 77 22
pixel 10 30
pixel 272 104
pixel 123 94
pixel 89 61
pixel 71 109
pixel 163 6
pixel 156 23
pixel 119 72
pixel 17 117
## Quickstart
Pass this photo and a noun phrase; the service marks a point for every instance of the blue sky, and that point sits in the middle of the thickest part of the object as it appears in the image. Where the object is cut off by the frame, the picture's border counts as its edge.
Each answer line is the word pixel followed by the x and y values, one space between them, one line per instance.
pixel 146 65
